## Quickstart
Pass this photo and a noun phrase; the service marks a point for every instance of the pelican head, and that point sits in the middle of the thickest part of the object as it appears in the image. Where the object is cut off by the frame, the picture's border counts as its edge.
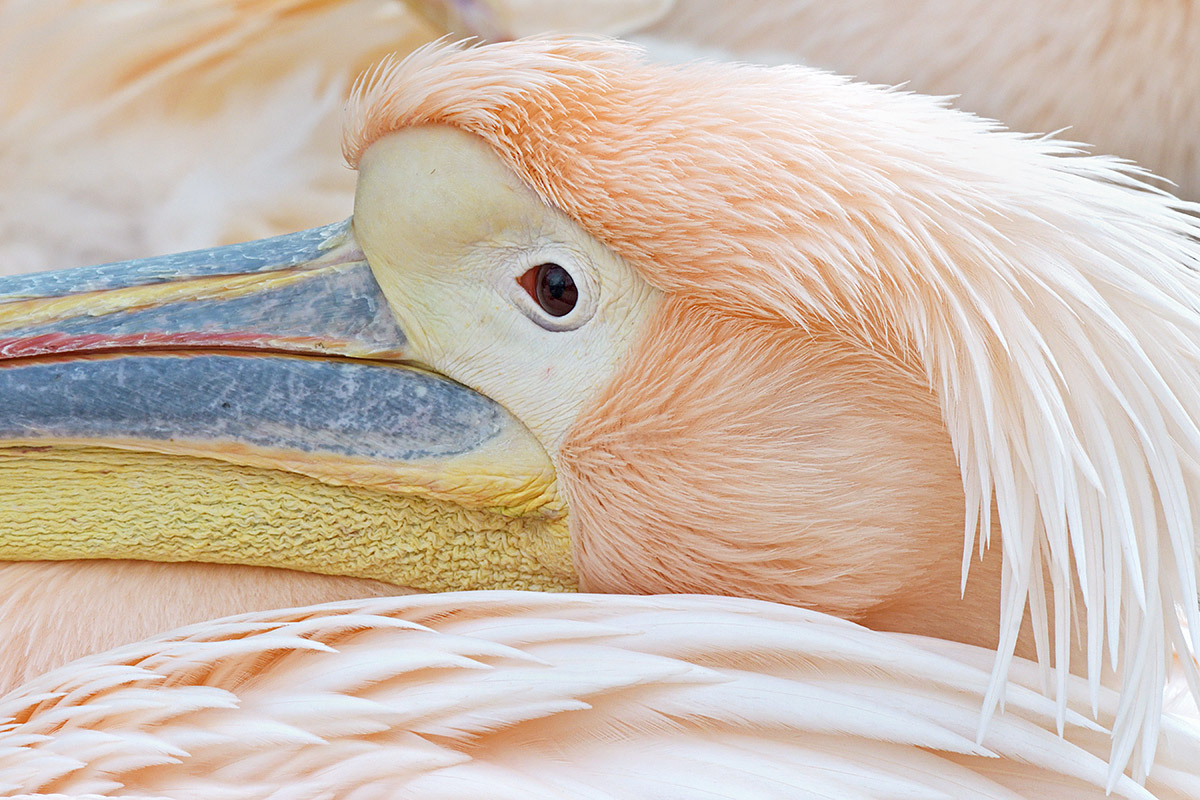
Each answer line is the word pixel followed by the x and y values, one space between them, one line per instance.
pixel 603 324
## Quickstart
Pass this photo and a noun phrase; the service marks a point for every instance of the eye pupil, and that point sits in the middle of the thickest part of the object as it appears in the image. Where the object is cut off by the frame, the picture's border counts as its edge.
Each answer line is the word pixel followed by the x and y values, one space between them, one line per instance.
pixel 554 290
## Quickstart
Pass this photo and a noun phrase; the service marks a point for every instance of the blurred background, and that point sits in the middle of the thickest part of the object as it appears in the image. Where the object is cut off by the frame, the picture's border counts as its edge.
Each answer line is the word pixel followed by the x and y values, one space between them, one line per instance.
pixel 137 127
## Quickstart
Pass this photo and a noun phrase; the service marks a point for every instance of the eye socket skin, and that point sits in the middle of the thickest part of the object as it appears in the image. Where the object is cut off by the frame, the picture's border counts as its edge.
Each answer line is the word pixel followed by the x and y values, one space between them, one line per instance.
pixel 552 288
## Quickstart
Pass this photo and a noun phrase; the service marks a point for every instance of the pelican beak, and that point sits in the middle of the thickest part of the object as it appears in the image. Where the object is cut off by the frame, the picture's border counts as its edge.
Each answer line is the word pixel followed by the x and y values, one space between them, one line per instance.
pixel 251 404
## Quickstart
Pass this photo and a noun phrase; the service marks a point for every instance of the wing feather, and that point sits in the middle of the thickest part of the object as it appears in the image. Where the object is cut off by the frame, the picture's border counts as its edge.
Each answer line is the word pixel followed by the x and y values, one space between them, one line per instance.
pixel 509 694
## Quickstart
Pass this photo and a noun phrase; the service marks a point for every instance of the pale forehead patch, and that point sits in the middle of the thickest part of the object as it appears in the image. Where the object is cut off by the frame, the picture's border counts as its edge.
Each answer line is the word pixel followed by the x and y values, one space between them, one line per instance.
pixel 448 229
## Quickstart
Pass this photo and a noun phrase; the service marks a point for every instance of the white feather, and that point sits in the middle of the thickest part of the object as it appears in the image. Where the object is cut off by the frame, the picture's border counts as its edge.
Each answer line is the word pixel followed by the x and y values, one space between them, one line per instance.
pixel 506 694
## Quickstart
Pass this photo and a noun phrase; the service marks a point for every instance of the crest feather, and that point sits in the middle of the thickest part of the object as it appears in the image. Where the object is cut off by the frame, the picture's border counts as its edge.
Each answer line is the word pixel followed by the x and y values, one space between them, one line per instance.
pixel 1051 298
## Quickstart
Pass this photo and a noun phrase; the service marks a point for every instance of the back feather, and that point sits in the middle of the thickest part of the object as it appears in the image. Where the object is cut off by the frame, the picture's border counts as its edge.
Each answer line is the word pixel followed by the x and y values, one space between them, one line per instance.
pixel 131 127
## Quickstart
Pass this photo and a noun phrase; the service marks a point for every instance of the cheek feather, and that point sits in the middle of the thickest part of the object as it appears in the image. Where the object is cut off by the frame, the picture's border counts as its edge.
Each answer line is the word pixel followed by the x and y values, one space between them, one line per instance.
pixel 759 460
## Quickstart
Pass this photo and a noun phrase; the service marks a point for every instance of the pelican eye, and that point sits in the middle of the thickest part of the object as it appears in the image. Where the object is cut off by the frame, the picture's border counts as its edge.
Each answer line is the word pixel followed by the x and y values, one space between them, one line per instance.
pixel 552 288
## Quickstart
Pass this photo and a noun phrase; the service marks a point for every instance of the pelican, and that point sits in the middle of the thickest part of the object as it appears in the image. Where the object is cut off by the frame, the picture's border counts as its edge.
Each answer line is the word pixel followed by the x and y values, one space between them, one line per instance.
pixel 919 392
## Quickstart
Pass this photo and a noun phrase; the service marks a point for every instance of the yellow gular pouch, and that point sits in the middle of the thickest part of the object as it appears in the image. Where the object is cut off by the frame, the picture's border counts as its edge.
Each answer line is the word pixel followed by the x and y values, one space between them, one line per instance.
pixel 66 502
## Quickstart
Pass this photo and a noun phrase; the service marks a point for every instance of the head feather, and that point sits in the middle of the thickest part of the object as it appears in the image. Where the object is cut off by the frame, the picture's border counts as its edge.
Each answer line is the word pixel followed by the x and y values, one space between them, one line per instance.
pixel 1050 298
